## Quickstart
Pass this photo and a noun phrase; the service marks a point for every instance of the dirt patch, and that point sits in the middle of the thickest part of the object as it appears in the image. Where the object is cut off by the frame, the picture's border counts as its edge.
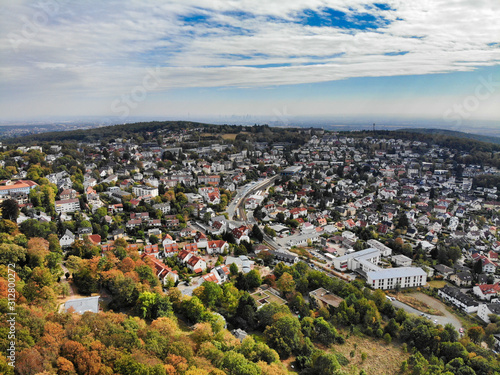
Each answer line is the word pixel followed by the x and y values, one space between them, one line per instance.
pixel 289 363
pixel 418 303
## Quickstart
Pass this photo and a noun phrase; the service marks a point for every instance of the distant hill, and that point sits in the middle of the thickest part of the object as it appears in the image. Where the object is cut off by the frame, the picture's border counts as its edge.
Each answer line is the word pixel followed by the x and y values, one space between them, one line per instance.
pixel 442 138
pixel 453 133
pixel 144 130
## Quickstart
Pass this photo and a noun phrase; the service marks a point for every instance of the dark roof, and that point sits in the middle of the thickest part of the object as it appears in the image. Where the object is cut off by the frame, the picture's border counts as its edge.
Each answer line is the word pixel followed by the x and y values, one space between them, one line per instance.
pixel 284 256
pixel 458 295
pixel 465 276
pixel 441 268
pixel 494 308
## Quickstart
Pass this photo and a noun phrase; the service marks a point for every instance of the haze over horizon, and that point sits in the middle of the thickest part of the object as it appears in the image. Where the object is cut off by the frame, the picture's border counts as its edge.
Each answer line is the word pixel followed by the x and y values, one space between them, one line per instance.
pixel 427 61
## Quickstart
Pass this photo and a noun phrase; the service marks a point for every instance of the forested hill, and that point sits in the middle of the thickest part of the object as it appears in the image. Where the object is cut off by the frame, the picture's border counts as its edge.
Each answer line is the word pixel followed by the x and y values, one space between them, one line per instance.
pixel 257 133
pixel 457 134
pixel 108 132
pixel 462 143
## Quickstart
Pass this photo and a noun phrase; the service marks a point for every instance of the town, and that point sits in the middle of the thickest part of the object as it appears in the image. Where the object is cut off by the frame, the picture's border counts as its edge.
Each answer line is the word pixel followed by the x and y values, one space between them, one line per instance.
pixel 197 208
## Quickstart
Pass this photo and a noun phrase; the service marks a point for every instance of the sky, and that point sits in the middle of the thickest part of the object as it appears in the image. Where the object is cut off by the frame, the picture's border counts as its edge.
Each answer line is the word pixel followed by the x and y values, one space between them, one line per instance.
pixel 420 59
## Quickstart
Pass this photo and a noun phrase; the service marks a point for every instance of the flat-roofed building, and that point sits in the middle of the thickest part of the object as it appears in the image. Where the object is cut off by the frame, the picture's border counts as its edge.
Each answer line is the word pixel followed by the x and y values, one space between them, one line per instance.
pixel 405 277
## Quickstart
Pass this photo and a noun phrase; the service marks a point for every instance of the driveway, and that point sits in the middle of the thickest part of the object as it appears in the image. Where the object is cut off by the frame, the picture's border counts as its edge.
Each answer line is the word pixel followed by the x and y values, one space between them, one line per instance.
pixel 435 304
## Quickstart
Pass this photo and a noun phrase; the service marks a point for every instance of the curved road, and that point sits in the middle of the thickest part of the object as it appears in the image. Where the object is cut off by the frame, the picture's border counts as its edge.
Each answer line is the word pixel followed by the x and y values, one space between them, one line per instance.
pixel 443 320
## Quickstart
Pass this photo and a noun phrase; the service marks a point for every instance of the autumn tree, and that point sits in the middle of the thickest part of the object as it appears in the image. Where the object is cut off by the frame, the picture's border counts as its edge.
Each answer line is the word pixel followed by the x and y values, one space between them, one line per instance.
pixel 285 283
pixel 476 333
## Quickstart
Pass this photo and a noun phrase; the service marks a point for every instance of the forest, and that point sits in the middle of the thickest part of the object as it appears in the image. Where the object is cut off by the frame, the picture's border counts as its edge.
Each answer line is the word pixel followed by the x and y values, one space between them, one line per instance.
pixel 144 329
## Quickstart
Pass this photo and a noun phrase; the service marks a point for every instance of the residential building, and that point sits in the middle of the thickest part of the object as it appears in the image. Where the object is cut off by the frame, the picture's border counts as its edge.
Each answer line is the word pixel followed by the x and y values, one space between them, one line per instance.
pixel 390 278
pixel 458 299
pixel 67 205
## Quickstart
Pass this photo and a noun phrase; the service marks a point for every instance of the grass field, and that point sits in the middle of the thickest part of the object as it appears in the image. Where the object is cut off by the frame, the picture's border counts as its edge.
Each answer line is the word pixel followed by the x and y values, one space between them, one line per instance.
pixel 437 283
pixel 230 136
pixel 380 357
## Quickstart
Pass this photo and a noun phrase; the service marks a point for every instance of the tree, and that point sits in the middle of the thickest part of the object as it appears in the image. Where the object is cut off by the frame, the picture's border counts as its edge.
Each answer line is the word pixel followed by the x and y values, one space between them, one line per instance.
pixel 326 364
pixel 146 303
pixel 403 221
pixel 253 279
pixel 86 282
pixel 211 294
pixel 478 267
pixel 269 311
pixel 236 364
pixel 285 336
pixel 325 333
pixel 476 334
pixel 12 254
pixel 245 315
pixel 233 268
pixel 257 233
pixel 285 283
pixel 9 209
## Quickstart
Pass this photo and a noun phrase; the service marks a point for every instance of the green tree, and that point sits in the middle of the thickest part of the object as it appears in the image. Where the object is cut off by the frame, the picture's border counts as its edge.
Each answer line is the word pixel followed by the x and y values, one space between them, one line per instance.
pixel 257 233
pixel 9 209
pixel 233 268
pixel 146 304
pixel 236 364
pixel 326 364
pixel 211 294
pixel 253 279
pixel 285 336
pixel 12 254
pixel 86 282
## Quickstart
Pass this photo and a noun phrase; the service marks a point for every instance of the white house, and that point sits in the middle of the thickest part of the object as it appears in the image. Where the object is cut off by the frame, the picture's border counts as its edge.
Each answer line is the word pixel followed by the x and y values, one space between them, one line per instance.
pixel 401 260
pixel 143 191
pixel 67 239
pixel 217 247
pixel 486 291
pixel 385 251
pixel 458 299
pixel 486 309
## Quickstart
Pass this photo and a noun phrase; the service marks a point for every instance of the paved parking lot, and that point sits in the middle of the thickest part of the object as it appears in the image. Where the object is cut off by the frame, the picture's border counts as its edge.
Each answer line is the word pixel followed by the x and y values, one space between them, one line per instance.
pixel 435 304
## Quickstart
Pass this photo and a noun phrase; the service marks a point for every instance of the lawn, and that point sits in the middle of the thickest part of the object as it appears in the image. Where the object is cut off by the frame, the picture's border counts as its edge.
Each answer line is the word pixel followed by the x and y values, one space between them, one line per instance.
pixel 437 283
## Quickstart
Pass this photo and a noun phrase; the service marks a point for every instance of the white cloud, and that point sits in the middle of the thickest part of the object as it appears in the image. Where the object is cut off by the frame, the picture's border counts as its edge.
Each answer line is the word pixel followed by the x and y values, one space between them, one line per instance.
pixel 103 49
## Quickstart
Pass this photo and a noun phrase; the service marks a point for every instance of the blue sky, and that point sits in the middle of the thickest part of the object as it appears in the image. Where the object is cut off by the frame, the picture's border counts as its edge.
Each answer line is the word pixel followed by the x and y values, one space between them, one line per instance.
pixel 434 59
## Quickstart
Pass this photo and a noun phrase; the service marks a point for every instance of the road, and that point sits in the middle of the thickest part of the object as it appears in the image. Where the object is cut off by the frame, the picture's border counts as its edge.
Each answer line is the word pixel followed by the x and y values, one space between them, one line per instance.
pixel 443 320
pixel 243 193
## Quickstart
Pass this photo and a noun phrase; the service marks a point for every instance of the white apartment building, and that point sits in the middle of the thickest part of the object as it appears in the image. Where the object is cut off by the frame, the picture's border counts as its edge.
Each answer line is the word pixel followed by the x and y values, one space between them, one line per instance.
pixel 67 205
pixel 143 191
pixel 405 277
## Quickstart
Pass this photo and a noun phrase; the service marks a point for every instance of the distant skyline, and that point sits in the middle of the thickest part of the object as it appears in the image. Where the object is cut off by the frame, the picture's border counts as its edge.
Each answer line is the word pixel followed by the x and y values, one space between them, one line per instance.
pixel 412 61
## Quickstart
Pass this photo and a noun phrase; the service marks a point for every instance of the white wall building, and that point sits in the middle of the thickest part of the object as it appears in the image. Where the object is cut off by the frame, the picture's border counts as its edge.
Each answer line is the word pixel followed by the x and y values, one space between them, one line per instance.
pixel 487 309
pixel 405 277
pixel 384 250
pixel 142 191
pixel 67 205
